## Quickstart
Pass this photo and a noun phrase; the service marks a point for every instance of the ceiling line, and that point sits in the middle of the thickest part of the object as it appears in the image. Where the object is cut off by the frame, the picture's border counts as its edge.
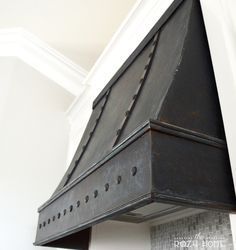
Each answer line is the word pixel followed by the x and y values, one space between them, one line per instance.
pixel 18 42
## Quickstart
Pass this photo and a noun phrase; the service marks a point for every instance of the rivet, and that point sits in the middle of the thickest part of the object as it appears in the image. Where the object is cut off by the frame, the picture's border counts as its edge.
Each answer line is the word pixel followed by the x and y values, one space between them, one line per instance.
pixel 134 171
pixel 155 42
pixel 106 187
pixel 149 61
pixel 53 218
pixel 40 226
pixel 59 215
pixel 71 208
pixel 49 221
pixel 118 131
pixel 118 180
pixel 78 203
pixel 95 194
pixel 64 212
pixel 127 113
pixel 44 223
pixel 86 199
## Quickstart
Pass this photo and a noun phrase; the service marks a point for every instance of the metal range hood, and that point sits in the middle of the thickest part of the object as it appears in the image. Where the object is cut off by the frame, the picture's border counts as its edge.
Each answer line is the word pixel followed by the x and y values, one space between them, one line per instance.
pixel 155 142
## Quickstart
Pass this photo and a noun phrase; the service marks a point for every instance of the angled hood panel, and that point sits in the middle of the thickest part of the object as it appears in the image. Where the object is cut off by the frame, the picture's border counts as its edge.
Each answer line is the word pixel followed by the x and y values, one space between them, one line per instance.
pixel 155 141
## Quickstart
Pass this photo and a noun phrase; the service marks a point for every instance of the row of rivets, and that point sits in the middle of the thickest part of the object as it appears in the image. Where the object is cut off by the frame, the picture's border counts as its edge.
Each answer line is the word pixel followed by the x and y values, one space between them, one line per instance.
pixel 138 90
pixel 96 122
pixel 86 199
pixel 89 138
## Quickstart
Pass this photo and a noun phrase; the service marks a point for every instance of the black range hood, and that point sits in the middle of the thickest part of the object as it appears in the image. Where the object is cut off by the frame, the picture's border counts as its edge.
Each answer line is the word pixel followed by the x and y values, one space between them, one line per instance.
pixel 155 142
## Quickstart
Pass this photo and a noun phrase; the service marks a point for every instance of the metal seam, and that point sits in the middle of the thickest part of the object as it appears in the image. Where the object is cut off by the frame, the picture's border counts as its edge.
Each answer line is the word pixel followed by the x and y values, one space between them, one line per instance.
pixel 91 133
pixel 138 89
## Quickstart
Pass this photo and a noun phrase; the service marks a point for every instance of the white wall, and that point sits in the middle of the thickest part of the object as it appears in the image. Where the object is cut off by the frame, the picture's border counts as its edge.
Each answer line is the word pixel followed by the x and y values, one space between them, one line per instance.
pixel 80 29
pixel 114 235
pixel 33 149
pixel 220 21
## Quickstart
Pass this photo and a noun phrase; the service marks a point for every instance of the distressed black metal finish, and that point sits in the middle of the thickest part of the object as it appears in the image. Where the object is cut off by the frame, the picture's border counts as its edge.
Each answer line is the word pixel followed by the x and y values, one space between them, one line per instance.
pixel 155 135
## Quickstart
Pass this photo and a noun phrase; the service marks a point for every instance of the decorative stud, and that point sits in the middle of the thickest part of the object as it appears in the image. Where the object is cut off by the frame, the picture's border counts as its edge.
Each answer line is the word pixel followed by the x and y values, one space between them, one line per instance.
pixel 134 171
pixel 155 43
pixel 44 223
pixel 59 215
pixel 134 97
pixel 40 226
pixel 71 208
pixel 106 187
pixel 86 199
pixel 78 203
pixel 53 218
pixel 118 180
pixel 146 66
pixel 49 221
pixel 64 212
pixel 95 194
pixel 118 131
pixel 108 92
pixel 127 113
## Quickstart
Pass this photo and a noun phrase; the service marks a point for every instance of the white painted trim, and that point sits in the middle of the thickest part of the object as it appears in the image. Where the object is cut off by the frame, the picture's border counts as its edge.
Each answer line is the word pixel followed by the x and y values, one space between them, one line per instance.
pixel 27 47
pixel 176 216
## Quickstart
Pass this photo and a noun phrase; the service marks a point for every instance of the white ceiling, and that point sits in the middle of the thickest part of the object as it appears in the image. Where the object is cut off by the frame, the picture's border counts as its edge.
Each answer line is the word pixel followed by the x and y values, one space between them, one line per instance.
pixel 80 29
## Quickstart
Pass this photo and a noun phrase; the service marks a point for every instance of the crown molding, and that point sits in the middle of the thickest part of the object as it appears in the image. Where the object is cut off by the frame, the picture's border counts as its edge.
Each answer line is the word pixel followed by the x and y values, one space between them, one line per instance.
pixel 17 42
